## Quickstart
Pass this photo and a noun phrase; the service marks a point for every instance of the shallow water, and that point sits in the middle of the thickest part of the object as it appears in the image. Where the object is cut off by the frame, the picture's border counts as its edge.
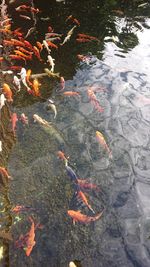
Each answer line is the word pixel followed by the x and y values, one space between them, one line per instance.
pixel 119 68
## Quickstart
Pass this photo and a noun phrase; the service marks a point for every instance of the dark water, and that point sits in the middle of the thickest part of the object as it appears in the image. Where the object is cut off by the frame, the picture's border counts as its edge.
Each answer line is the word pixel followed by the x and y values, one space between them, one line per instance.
pixel 118 64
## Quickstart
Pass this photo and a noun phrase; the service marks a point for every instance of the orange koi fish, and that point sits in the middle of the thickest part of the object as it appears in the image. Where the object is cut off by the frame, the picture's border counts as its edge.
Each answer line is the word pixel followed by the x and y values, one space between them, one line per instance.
pixel 30 242
pixel 19 53
pixel 4 172
pixel 7 92
pixel 62 156
pixel 24 50
pixel 14 120
pixel 1 59
pixel 18 208
pixel 16 57
pixel 17 42
pixel 51 44
pixel 35 87
pixel 28 74
pixel 94 100
pixel 77 216
pixel 81 195
pixel 73 20
pixel 17 32
pixel 37 53
pixel 102 141
pixel 39 45
pixel 71 93
pixel 26 43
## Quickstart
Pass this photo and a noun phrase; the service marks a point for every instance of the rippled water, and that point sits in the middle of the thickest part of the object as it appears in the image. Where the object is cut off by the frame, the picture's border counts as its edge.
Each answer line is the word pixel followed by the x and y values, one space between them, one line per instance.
pixel 119 67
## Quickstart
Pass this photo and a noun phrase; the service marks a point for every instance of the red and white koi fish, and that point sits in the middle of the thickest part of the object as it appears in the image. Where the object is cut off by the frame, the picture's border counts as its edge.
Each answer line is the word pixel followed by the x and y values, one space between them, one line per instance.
pixel 24 119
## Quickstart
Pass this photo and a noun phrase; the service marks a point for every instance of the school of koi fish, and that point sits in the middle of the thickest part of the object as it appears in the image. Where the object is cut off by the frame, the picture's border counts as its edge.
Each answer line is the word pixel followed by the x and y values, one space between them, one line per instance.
pixel 15 67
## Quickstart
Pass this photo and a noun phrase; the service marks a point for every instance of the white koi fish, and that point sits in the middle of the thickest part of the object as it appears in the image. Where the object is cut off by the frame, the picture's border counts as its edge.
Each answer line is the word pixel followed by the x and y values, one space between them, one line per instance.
pixel 23 75
pixel 7 72
pixel 2 100
pixel 52 106
pixel 69 34
pixel 45 44
pixel 16 82
pixel 50 60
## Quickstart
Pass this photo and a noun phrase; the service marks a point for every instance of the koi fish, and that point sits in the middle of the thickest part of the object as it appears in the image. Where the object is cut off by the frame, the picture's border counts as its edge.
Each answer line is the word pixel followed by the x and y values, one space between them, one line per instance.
pixel 85 36
pixel 77 216
pixel 37 53
pixel 45 44
pixel 52 106
pixel 82 40
pixel 7 92
pixel 4 172
pixel 69 34
pixel 73 20
pixel 24 119
pixel 62 83
pixel 2 101
pixel 16 81
pixel 24 50
pixel 51 44
pixel 4 72
pixel 39 45
pixel 71 173
pixel 17 32
pixel 23 75
pixel 1 59
pixel 36 88
pixel 71 93
pixel 52 74
pixel 86 185
pixel 14 120
pixel 102 141
pixel 28 74
pixel 83 58
pixel 50 60
pixel 15 67
pixel 19 53
pixel 62 156
pixel 25 17
pixel 16 57
pixel 18 208
pixel 94 100
pixel 30 242
pixel 81 195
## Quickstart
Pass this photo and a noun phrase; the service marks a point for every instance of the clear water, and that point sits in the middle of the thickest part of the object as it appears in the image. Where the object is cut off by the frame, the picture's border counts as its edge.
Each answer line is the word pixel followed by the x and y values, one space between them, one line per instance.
pixel 119 64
